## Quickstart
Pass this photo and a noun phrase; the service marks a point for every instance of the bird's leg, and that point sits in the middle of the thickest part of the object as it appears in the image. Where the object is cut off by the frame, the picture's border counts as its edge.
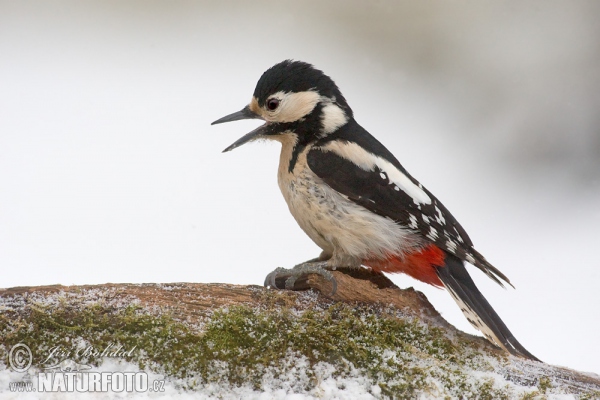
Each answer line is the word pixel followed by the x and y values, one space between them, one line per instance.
pixel 291 275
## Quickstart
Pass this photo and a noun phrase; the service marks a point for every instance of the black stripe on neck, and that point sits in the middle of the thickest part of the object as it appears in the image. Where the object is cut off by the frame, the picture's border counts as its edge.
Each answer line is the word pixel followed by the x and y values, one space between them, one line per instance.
pixel 308 130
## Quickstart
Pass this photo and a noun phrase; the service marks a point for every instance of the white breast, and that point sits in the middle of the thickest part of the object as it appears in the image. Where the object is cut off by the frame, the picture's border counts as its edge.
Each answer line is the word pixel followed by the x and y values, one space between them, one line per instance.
pixel 348 232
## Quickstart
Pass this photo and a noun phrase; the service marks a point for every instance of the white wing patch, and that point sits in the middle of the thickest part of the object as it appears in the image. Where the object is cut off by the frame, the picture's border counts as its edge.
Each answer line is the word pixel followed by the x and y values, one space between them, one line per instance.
pixel 368 161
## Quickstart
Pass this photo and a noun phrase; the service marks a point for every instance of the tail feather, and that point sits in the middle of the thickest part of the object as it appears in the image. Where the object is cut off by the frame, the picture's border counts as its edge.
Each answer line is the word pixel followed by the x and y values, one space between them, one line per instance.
pixel 476 308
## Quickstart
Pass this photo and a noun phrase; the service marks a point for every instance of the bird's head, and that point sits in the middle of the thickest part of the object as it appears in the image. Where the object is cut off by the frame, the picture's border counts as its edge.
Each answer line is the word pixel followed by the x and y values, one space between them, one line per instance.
pixel 293 97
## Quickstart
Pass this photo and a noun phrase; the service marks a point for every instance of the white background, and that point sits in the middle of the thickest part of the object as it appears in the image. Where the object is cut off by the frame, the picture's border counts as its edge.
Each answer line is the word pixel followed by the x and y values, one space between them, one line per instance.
pixel 111 172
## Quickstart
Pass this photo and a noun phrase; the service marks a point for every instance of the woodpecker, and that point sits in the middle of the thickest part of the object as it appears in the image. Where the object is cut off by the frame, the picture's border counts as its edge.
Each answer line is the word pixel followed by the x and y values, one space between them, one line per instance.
pixel 355 200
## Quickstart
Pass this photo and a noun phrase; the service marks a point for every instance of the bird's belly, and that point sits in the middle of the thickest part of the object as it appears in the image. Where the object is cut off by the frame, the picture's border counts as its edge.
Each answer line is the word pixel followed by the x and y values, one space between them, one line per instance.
pixel 343 229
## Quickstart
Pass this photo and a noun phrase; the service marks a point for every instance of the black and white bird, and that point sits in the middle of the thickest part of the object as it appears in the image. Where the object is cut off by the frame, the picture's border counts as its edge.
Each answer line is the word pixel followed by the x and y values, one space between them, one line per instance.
pixel 354 199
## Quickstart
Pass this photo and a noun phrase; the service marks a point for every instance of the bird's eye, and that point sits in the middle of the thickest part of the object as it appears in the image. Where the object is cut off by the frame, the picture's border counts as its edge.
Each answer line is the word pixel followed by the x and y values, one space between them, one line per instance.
pixel 272 104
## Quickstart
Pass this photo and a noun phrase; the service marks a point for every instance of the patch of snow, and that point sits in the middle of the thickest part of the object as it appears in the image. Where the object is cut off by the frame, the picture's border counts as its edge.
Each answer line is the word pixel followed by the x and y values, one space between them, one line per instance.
pixel 288 382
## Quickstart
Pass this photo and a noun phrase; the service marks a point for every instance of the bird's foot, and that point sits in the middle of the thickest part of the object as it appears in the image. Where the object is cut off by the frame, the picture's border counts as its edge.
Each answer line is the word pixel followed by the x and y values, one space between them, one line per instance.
pixel 293 275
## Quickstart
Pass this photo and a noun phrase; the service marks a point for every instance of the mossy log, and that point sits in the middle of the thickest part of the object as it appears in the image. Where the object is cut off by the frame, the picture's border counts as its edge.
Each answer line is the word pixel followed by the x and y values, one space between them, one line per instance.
pixel 227 340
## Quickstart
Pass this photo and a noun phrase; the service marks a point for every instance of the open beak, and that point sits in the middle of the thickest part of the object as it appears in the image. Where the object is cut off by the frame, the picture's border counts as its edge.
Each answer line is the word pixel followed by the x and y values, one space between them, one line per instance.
pixel 244 113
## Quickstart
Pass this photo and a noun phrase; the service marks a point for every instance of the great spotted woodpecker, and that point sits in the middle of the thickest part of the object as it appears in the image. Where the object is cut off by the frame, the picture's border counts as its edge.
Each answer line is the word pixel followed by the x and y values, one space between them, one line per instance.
pixel 354 199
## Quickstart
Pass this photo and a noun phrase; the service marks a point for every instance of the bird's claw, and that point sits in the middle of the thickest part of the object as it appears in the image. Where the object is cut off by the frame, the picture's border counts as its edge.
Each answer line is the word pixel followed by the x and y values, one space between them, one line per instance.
pixel 292 274
pixel 270 280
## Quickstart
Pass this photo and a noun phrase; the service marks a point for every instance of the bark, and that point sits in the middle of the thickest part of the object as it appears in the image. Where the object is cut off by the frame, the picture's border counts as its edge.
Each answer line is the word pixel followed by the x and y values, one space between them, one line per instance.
pixel 194 304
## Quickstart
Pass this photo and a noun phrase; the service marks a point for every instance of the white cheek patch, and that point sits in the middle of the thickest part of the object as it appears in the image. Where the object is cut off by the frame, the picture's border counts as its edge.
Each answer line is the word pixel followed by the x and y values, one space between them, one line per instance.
pixel 292 106
pixel 368 161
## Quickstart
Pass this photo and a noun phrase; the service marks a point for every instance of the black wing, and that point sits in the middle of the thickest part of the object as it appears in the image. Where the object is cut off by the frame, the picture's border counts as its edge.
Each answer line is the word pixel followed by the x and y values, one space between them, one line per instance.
pixel 355 164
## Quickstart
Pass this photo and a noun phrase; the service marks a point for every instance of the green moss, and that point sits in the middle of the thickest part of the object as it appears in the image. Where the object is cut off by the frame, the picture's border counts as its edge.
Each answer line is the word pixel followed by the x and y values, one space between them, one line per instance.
pixel 590 396
pixel 544 384
pixel 343 336
pixel 240 345
pixel 72 329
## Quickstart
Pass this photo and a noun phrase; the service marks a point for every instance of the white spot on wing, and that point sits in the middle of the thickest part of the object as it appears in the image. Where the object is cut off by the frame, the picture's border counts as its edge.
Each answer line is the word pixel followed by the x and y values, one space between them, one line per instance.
pixel 451 245
pixel 412 221
pixel 470 259
pixel 440 217
pixel 433 234
pixel 368 161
